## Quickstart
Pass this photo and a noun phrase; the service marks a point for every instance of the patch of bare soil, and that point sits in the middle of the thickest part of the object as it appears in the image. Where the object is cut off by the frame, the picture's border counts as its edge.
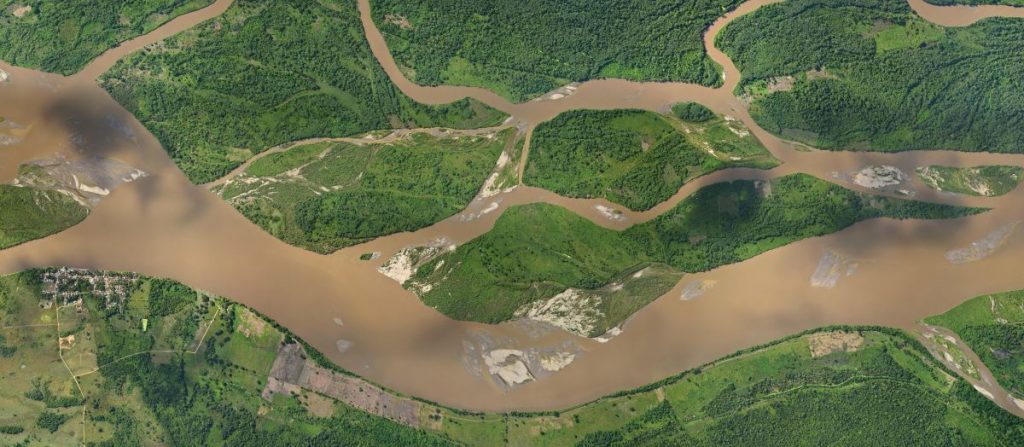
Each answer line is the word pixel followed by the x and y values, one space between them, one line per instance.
pixel 398 20
pixel 825 343
pixel 21 11
pixel 293 371
pixel 250 325
pixel 317 405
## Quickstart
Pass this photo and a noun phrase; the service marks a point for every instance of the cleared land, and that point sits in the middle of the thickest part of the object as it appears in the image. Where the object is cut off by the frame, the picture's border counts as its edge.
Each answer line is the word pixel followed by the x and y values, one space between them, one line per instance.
pixel 522 50
pixel 536 252
pixel 636 158
pixel 326 196
pixel 993 326
pixel 871 75
pixel 64 35
pixel 985 181
pixel 155 362
pixel 264 74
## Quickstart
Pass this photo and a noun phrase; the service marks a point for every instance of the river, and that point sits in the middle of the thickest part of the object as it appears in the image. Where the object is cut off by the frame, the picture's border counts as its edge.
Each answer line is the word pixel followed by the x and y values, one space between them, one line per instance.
pixel 165 226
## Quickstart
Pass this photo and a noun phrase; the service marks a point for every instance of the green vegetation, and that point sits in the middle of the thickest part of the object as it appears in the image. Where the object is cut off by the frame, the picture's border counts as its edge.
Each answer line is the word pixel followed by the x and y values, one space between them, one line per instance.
pixel 636 158
pixel 537 251
pixel 323 197
pixel 64 35
pixel 978 181
pixel 872 75
pixel 976 2
pixel 692 112
pixel 993 327
pixel 195 377
pixel 523 50
pixel 28 213
pixel 264 74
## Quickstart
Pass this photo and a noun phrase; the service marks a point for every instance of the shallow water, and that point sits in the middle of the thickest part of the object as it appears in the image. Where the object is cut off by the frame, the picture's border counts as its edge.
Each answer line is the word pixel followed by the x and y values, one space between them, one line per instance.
pixel 165 226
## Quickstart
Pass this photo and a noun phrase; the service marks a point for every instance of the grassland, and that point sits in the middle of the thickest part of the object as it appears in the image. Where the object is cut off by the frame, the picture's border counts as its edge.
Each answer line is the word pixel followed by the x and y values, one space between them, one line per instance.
pixel 993 327
pixel 63 36
pixel 635 158
pixel 537 251
pixel 28 213
pixel 326 196
pixel 267 73
pixel 872 75
pixel 521 51
pixel 985 181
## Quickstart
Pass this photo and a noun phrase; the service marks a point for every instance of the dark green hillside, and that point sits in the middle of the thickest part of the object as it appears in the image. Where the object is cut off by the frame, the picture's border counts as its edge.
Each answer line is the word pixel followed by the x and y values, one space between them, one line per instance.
pixel 266 73
pixel 63 36
pixel 523 49
pixel 871 75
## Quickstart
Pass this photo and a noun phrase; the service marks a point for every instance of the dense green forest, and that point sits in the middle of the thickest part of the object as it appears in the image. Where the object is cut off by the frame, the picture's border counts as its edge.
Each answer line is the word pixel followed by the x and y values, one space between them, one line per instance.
pixel 63 36
pixel 871 75
pixel 160 363
pixel 976 2
pixel 28 213
pixel 536 251
pixel 523 49
pixel 636 158
pixel 985 181
pixel 993 326
pixel 266 73
pixel 326 196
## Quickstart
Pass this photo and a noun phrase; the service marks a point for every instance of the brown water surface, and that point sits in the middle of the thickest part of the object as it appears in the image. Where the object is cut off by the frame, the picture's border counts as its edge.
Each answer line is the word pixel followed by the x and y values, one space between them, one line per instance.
pixel 165 226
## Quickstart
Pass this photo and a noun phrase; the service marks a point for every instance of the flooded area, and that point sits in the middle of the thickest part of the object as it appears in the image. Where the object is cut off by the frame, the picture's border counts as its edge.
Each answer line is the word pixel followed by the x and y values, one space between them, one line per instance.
pixel 162 225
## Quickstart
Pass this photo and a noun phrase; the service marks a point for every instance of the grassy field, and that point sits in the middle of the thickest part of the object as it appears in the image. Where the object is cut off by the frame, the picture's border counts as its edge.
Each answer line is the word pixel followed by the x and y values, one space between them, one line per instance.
pixel 537 251
pixel 633 157
pixel 872 75
pixel 521 51
pixel 326 196
pixel 267 73
pixel 63 36
pixel 27 214
pixel 985 181
pixel 993 326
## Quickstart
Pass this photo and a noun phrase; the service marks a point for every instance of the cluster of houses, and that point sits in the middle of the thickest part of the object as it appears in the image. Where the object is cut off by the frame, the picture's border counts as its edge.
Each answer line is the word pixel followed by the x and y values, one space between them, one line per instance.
pixel 66 286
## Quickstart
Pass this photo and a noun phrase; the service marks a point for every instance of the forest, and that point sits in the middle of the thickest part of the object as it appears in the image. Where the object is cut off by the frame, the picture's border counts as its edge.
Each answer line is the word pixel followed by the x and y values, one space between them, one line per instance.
pixel 521 50
pixel 633 157
pixel 62 36
pixel 871 75
pixel 537 251
pixel 323 197
pixel 267 73
pixel 993 326
pixel 27 214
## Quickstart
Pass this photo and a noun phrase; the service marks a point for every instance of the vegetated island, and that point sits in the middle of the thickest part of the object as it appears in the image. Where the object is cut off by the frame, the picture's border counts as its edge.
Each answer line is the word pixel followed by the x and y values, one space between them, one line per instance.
pixel 986 181
pixel 51 195
pixel 326 196
pixel 546 263
pixel 993 327
pixel 264 74
pixel 637 158
pixel 63 36
pixel 521 51
pixel 872 75
pixel 158 362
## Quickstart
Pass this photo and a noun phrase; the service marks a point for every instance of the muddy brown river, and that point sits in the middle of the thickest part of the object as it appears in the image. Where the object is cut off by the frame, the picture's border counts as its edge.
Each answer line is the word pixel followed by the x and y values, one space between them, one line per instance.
pixel 894 272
